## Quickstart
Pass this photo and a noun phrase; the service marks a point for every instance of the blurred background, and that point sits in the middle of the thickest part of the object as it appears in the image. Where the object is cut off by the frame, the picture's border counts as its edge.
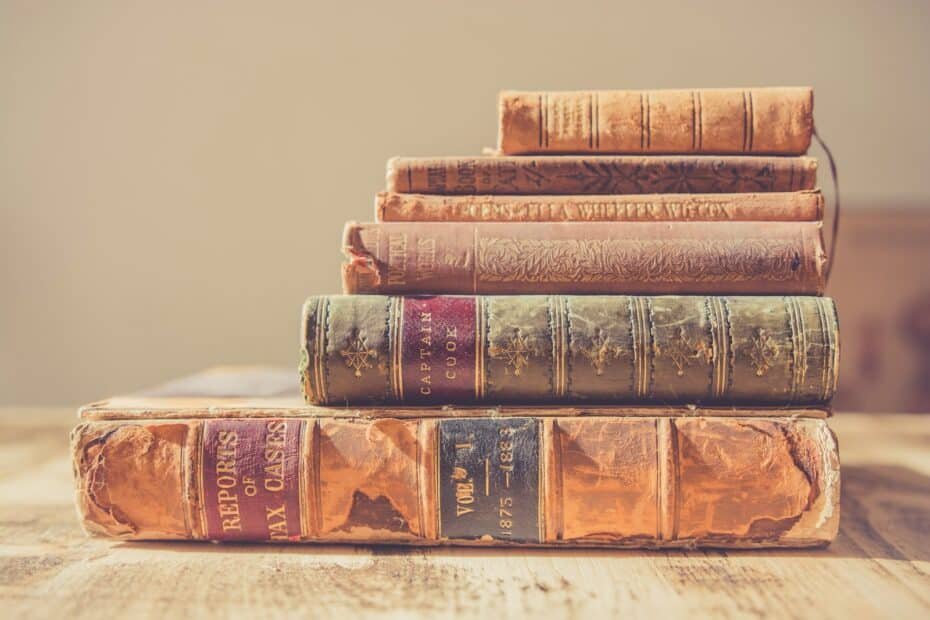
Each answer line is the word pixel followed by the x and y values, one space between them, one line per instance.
pixel 174 176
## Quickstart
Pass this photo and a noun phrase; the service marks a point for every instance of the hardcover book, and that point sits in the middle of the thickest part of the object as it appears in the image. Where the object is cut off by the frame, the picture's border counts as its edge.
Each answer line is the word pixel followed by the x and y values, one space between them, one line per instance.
pixel 774 121
pixel 268 469
pixel 367 350
pixel 773 206
pixel 685 174
pixel 770 258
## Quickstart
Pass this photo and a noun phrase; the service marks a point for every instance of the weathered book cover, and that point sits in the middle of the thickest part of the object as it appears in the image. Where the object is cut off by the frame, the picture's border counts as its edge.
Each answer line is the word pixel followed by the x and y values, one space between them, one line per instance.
pixel 805 205
pixel 773 121
pixel 286 473
pixel 585 257
pixel 604 174
pixel 572 349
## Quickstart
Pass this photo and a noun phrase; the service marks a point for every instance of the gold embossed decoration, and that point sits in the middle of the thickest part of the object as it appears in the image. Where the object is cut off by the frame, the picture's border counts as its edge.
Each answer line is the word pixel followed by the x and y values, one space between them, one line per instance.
pixel 763 351
pixel 511 259
pixel 357 354
pixel 515 352
pixel 683 352
pixel 601 351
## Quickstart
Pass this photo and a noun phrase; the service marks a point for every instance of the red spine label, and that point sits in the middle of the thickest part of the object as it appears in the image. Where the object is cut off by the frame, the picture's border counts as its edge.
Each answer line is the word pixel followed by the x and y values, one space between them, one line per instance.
pixel 251 480
pixel 438 350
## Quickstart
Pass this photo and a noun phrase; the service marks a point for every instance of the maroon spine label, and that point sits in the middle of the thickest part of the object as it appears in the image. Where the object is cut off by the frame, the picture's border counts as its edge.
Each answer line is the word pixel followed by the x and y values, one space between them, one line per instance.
pixel 438 349
pixel 251 479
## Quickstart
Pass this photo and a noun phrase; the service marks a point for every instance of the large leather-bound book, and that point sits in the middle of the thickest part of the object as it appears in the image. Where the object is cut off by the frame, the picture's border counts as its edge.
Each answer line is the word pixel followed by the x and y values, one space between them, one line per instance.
pixel 773 206
pixel 218 468
pixel 368 350
pixel 604 174
pixel 585 257
pixel 774 121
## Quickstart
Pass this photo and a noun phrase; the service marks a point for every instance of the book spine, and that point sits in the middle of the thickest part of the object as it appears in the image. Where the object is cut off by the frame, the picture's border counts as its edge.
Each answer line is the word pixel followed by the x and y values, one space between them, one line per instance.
pixel 602 481
pixel 585 257
pixel 774 207
pixel 369 350
pixel 691 174
pixel 772 121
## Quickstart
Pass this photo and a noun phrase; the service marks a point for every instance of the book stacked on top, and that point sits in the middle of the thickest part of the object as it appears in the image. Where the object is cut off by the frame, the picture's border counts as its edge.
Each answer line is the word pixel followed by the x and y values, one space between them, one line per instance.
pixel 608 334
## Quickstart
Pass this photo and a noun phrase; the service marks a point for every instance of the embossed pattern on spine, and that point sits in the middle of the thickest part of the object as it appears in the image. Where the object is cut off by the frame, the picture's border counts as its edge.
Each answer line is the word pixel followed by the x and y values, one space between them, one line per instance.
pixel 758 120
pixel 505 259
pixel 605 174
pixel 507 349
pixel 586 257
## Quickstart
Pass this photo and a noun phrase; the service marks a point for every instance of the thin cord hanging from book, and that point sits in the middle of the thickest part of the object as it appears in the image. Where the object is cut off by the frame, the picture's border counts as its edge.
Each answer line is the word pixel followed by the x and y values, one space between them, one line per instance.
pixel 836 202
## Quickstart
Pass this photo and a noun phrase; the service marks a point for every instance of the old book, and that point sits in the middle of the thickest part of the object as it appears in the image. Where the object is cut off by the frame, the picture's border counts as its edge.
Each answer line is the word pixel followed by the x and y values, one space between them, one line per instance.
pixel 773 121
pixel 543 349
pixel 605 174
pixel 805 205
pixel 307 474
pixel 585 257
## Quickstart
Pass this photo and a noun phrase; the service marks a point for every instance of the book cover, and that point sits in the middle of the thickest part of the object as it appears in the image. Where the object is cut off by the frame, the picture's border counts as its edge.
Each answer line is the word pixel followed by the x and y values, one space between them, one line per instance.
pixel 188 467
pixel 433 350
pixel 773 121
pixel 743 258
pixel 601 174
pixel 805 205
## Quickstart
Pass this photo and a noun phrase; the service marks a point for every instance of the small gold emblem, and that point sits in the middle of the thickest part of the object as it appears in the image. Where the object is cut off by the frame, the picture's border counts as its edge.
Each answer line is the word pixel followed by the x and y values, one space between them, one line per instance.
pixel 683 352
pixel 357 354
pixel 516 352
pixel 763 352
pixel 601 351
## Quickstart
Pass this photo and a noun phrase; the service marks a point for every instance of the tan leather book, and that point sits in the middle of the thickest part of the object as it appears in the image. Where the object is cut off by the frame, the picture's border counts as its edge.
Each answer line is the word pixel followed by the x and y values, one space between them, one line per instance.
pixel 805 205
pixel 435 350
pixel 768 258
pixel 771 121
pixel 604 174
pixel 175 467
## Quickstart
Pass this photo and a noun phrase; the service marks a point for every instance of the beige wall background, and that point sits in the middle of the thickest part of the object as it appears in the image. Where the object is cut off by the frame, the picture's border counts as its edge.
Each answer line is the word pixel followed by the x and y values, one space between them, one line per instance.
pixel 174 175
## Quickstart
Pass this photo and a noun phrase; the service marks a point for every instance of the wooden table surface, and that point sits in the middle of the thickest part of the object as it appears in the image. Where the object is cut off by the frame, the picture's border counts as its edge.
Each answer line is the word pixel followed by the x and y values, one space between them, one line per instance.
pixel 879 565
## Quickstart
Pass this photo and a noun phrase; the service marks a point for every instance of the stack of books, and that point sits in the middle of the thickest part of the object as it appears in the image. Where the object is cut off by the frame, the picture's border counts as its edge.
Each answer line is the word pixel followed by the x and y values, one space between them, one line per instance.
pixel 608 333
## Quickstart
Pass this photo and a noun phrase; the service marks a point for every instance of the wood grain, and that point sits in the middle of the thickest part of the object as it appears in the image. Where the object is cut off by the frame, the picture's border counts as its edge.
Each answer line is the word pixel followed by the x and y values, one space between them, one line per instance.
pixel 879 565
